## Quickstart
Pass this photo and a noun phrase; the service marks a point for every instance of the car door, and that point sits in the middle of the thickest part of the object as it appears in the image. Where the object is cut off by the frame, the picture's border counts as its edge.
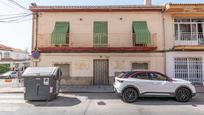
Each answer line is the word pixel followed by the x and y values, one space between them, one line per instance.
pixel 142 82
pixel 160 83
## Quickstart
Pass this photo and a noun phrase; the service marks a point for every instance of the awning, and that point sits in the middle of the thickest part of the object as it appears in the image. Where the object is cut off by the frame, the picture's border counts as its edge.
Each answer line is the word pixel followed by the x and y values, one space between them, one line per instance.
pixel 141 33
pixel 60 33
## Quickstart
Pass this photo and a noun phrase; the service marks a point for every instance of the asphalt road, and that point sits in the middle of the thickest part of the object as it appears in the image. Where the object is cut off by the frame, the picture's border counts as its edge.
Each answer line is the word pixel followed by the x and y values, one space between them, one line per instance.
pixel 98 104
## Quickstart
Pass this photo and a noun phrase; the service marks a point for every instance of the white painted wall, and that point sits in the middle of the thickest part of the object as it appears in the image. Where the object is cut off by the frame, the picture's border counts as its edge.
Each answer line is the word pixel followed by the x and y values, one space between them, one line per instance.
pixel 170 69
pixel 3 51
pixel 16 55
pixel 19 55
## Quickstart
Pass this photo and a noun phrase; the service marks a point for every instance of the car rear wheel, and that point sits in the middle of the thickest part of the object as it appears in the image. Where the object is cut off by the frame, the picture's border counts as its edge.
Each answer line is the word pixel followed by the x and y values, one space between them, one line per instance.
pixel 130 95
pixel 183 95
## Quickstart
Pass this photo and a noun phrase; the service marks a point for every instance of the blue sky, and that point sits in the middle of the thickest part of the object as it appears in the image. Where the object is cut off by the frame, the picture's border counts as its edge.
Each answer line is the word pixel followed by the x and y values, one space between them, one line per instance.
pixel 19 34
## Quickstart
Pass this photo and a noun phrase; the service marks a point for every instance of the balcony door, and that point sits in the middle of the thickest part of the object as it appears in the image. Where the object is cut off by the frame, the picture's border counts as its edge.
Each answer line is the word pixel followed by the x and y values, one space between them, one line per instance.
pixel 189 31
pixel 201 33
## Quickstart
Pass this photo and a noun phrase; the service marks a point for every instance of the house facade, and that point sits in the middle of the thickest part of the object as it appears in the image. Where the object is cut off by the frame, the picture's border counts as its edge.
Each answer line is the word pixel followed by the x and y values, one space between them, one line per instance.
pixel 13 58
pixel 184 41
pixel 93 43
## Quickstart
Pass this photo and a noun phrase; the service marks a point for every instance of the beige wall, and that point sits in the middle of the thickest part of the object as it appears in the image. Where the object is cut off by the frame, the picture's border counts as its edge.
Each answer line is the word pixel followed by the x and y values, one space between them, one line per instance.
pixel 81 32
pixel 169 31
pixel 81 65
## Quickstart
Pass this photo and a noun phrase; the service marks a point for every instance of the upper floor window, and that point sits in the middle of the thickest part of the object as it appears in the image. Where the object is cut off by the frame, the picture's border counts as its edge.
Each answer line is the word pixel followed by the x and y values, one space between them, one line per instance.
pixel 60 34
pixel 141 76
pixel 100 34
pixel 190 31
pixel 6 55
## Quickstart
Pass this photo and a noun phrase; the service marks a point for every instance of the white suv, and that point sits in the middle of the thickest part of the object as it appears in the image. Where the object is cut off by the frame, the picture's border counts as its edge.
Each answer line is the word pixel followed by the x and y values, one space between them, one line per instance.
pixel 134 84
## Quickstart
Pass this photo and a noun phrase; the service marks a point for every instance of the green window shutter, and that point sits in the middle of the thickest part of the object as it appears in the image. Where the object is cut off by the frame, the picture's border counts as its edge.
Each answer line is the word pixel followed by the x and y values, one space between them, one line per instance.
pixel 100 34
pixel 59 34
pixel 141 33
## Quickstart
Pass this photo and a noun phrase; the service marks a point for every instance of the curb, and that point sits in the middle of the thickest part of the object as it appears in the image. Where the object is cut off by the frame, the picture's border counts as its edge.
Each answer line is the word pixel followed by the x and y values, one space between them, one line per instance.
pixel 86 92
pixel 68 92
pixel 77 92
pixel 10 92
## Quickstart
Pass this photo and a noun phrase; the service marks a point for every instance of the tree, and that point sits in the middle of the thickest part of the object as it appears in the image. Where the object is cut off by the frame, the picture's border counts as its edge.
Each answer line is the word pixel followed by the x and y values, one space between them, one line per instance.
pixel 3 68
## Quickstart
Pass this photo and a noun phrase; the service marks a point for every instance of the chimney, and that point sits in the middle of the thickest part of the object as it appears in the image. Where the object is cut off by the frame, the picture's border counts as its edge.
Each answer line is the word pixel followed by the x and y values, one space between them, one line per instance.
pixel 147 2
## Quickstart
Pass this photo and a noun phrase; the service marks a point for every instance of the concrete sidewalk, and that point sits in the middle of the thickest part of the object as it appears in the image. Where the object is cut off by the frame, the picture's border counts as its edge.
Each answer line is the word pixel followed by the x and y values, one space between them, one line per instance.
pixel 87 89
pixel 199 89
pixel 12 90
pixel 67 89
pixel 80 89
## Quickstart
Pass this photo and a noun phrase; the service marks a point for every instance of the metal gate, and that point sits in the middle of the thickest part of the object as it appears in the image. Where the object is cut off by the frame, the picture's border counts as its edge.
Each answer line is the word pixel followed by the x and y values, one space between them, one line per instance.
pixel 189 69
pixel 65 68
pixel 100 72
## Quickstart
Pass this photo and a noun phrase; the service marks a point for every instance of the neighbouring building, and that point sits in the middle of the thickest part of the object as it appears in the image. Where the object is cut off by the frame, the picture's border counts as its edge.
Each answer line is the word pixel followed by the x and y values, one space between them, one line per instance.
pixel 13 58
pixel 92 43
pixel 184 41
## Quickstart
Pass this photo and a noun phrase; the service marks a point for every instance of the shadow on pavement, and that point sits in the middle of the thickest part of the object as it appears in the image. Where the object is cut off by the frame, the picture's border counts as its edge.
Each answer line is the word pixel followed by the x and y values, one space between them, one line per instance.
pixel 99 96
pixel 60 101
pixel 197 100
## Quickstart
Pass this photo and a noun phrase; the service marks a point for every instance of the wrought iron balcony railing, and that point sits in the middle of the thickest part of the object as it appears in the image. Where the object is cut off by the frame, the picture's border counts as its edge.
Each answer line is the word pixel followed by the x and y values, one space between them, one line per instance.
pixel 189 38
pixel 96 40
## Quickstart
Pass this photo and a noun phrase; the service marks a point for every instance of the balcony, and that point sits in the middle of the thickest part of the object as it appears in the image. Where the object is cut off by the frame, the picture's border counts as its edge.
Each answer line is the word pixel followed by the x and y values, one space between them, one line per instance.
pixel 86 42
pixel 189 38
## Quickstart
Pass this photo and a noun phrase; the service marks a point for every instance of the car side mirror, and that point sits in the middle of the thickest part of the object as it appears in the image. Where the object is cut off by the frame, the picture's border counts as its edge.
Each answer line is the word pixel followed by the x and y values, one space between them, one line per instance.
pixel 168 79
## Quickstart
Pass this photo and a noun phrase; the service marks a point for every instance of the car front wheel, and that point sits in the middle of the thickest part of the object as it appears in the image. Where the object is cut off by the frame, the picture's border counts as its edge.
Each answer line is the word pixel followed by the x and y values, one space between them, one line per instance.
pixel 183 95
pixel 130 95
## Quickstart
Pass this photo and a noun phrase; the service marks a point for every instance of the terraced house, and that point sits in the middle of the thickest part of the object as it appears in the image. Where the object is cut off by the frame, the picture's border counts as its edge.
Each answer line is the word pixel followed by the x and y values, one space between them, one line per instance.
pixel 92 43
pixel 184 40
pixel 14 59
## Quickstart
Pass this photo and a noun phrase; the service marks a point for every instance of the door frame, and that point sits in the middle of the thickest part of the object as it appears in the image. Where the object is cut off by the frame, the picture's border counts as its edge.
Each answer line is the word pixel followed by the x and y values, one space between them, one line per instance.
pixel 94 76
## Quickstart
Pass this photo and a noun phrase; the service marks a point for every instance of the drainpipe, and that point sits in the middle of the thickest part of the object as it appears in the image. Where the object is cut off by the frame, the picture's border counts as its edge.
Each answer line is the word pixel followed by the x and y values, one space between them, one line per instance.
pixel 164 37
pixel 32 44
pixel 34 30
pixel 36 36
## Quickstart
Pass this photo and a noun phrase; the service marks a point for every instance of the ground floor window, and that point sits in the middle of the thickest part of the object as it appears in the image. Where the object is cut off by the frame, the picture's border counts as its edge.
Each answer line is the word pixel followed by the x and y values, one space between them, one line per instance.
pixel 189 69
pixel 140 66
pixel 65 68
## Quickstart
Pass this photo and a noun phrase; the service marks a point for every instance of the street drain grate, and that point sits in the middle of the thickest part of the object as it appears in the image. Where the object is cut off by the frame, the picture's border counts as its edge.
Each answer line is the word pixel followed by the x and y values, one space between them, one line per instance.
pixel 101 103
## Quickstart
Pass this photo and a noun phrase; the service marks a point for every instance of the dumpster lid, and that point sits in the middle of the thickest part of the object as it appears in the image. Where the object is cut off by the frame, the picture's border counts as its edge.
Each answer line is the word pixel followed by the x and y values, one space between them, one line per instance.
pixel 40 71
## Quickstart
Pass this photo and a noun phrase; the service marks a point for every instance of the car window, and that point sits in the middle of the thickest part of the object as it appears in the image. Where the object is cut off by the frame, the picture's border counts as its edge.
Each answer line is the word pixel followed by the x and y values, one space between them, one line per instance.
pixel 141 76
pixel 125 74
pixel 121 75
pixel 157 76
